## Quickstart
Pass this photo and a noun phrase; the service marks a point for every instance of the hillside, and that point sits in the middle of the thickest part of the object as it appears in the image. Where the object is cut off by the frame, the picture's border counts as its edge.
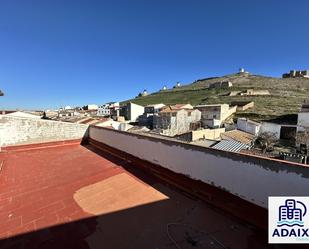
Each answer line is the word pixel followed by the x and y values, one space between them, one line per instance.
pixel 286 96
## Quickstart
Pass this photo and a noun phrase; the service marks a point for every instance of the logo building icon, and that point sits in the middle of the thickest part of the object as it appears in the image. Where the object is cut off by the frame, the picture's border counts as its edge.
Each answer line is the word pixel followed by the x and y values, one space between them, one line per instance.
pixel 292 213
pixel 288 221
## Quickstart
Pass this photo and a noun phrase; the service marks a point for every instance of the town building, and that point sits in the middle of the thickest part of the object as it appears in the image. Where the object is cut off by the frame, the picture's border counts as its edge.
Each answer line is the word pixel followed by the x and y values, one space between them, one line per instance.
pixel 143 93
pixel 103 110
pixel 221 84
pixel 303 117
pixel 296 74
pixel 177 85
pixel 248 126
pixel 91 107
pixel 147 118
pixel 252 92
pixel 156 108
pixel 67 114
pixel 164 88
pixel 302 136
pixel 249 92
pixel 201 134
pixel 281 130
pixel 119 118
pixel 114 109
pixel 242 71
pixel 179 106
pixel 238 136
pixel 132 111
pixel 50 114
pixel 91 112
pixel 214 115
pixel 171 122
pixel 107 109
pixel 67 107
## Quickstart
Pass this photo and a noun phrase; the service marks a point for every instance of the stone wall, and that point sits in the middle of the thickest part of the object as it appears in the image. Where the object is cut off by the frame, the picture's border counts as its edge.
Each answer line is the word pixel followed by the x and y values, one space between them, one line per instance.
pixel 18 131
pixel 174 123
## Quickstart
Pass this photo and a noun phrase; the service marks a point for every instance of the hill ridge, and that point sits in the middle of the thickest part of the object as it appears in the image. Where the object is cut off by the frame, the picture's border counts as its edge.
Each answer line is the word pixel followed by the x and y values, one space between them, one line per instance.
pixel 287 94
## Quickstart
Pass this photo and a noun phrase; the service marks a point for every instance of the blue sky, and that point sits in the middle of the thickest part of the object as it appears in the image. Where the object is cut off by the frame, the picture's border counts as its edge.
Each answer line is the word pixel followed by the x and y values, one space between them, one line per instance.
pixel 61 52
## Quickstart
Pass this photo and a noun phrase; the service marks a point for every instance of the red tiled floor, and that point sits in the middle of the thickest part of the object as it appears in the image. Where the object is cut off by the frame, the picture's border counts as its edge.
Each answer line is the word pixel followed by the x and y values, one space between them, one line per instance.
pixel 37 186
pixel 37 191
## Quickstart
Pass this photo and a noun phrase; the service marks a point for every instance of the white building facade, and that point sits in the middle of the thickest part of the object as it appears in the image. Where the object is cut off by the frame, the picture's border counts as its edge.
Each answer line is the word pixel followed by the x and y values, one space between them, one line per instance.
pixel 175 122
pixel 249 126
pixel 133 111
pixel 214 115
pixel 107 109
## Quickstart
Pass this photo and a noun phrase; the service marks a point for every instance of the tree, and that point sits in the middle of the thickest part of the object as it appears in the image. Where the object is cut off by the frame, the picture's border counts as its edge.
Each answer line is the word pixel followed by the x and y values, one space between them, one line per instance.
pixel 266 141
pixel 302 139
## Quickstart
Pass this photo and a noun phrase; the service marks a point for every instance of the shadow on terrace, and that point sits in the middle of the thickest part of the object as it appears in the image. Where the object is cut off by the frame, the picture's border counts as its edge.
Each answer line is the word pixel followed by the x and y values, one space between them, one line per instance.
pixel 81 197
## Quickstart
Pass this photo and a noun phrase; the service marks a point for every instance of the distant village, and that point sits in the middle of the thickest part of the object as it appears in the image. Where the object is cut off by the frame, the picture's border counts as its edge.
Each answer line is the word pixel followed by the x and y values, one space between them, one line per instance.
pixel 207 125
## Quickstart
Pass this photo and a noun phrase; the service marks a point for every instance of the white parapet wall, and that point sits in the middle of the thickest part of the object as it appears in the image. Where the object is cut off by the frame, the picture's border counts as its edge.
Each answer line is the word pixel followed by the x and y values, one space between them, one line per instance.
pixel 248 177
pixel 18 131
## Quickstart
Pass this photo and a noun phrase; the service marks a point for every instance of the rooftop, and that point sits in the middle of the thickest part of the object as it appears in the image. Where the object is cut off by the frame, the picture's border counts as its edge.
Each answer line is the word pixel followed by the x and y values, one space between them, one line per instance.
pixel 160 105
pixel 177 107
pixel 238 136
pixel 77 196
pixel 181 106
pixel 249 121
pixel 210 105
pixel 230 145
pixel 168 109
pixel 23 114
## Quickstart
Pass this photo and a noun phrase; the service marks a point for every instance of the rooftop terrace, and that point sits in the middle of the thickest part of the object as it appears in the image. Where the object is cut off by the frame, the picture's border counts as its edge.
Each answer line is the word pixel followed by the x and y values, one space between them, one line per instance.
pixel 125 190
pixel 75 196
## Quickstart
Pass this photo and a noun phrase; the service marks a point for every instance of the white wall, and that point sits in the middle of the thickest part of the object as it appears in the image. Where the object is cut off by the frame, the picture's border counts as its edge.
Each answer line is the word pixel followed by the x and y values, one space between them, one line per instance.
pixel 103 111
pixel 271 128
pixel 211 134
pixel 17 130
pixel 303 119
pixel 247 126
pixel 245 176
pixel 92 107
pixel 135 111
pixel 110 122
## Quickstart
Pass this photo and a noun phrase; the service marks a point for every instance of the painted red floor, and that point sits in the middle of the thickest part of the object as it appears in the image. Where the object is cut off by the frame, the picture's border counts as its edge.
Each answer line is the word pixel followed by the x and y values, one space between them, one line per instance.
pixel 37 186
pixel 67 197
